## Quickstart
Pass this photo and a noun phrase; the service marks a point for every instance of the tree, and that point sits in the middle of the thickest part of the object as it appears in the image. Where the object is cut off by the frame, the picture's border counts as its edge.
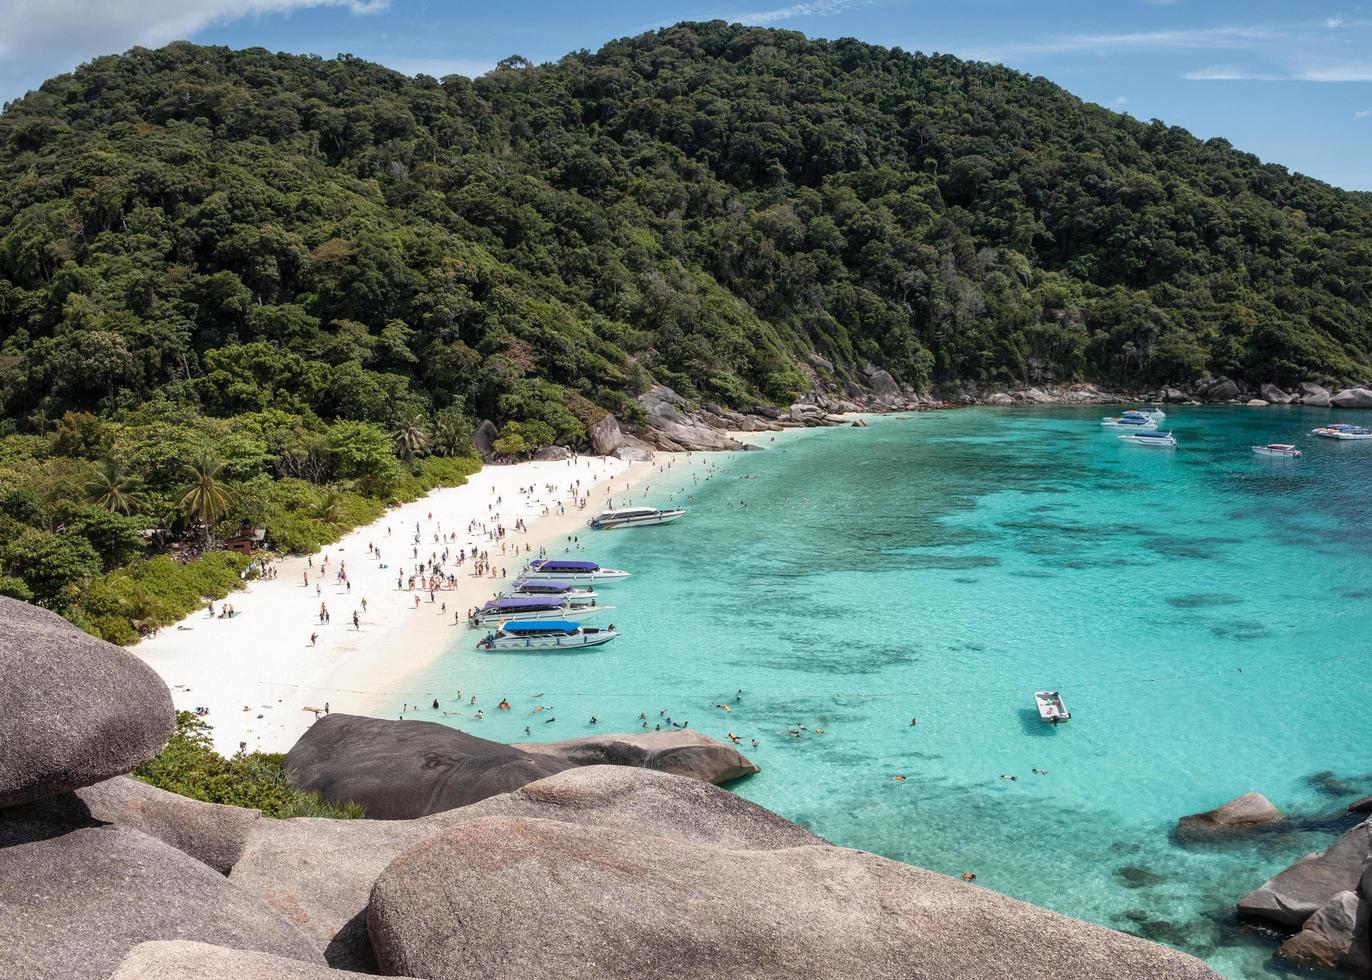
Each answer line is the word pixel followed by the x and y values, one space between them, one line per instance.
pixel 114 489
pixel 51 565
pixel 205 498
pixel 411 437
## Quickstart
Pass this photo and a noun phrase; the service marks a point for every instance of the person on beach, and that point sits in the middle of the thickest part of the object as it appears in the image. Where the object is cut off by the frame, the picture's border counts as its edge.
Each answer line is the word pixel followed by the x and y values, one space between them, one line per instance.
pixel 313 637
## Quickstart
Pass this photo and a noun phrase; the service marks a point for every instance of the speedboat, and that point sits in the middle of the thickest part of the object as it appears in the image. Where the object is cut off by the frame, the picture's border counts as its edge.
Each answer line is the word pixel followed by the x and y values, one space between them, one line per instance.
pixel 633 517
pixel 1342 430
pixel 1129 420
pixel 1051 707
pixel 1278 449
pixel 521 607
pixel 570 571
pixel 551 588
pixel 1157 439
pixel 546 634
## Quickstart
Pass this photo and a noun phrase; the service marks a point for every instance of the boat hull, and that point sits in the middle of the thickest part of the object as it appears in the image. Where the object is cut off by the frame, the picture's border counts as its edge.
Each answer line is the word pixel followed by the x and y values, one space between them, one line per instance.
pixel 664 518
pixel 495 617
pixel 521 644
pixel 604 575
pixel 1278 453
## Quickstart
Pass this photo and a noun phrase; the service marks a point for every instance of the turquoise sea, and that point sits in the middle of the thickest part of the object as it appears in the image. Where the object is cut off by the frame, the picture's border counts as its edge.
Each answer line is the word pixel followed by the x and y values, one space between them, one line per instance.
pixel 1205 612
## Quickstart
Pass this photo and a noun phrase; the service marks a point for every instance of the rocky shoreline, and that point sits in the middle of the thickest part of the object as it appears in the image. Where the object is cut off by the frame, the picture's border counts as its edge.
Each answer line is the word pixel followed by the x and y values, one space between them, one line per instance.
pixel 593 871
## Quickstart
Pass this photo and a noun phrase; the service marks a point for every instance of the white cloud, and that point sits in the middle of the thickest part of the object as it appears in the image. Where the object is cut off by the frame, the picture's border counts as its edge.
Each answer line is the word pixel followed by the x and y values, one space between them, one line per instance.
pixel 812 8
pixel 1228 73
pixel 1335 22
pixel 1362 113
pixel 1354 72
pixel 76 29
pixel 1199 38
pixel 1120 100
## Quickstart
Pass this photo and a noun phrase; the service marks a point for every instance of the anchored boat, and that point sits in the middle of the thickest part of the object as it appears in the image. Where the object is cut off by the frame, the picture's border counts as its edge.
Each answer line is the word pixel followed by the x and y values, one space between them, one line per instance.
pixel 1278 449
pixel 1130 420
pixel 521 607
pixel 1342 430
pixel 634 517
pixel 1163 440
pixel 565 591
pixel 570 571
pixel 546 634
pixel 1051 707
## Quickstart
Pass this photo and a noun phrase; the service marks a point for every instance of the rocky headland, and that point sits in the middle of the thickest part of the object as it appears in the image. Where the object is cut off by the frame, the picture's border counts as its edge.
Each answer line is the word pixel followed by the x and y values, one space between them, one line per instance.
pixel 609 870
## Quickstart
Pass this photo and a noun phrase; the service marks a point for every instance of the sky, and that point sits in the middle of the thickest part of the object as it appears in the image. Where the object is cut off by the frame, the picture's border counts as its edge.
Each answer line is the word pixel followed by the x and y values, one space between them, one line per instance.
pixel 1291 82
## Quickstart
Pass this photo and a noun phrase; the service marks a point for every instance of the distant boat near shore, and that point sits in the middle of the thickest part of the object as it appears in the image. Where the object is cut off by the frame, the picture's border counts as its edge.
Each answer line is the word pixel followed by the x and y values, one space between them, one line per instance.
pixel 1278 449
pixel 634 517
pixel 570 571
pixel 1342 430
pixel 1162 440
pixel 522 607
pixel 546 634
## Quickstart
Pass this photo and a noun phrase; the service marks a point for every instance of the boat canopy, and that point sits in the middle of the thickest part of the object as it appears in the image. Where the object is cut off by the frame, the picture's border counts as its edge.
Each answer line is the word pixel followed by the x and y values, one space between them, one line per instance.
pixel 522 602
pixel 1153 435
pixel 629 512
pixel 541 626
pixel 551 565
pixel 546 585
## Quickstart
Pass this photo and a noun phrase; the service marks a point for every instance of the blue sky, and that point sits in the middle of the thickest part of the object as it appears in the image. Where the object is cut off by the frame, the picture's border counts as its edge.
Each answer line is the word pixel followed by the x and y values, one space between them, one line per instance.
pixel 1291 82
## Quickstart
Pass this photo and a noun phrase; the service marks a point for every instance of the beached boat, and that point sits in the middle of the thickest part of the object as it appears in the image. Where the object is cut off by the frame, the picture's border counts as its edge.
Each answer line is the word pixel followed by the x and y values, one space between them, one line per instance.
pixel 570 571
pixel 633 517
pixel 1051 707
pixel 1278 449
pixel 546 634
pixel 1342 430
pixel 1163 440
pixel 571 594
pixel 515 608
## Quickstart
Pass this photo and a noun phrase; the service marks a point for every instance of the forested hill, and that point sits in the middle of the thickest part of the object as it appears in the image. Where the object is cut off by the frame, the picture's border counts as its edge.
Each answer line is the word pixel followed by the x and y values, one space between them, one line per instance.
pixel 706 206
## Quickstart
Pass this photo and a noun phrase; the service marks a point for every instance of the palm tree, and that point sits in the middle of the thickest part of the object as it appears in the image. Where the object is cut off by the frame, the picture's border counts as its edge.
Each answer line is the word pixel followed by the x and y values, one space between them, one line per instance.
pixel 114 488
pixel 411 437
pixel 205 498
pixel 448 437
pixel 329 510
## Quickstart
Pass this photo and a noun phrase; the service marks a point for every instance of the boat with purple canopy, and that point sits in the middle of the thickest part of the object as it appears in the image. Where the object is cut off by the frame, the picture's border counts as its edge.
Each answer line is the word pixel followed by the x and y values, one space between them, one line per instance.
pixel 520 607
pixel 572 594
pixel 570 571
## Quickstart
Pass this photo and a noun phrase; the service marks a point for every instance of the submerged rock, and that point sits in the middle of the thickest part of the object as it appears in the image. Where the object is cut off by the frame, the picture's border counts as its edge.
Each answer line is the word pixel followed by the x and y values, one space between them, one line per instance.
pixel 608 902
pixel 1244 813
pixel 683 753
pixel 1338 936
pixel 73 904
pixel 179 959
pixel 403 769
pixel 1363 805
pixel 83 710
pixel 1295 894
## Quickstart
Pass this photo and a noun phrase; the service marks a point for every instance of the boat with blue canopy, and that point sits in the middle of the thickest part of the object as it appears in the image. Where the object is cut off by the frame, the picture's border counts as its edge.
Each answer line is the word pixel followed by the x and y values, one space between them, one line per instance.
pixel 570 571
pixel 1129 420
pixel 574 595
pixel 1164 440
pixel 529 607
pixel 546 634
pixel 1342 430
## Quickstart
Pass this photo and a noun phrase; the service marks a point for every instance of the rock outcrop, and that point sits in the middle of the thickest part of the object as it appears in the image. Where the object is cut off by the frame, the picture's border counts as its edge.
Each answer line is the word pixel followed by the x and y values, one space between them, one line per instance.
pixel 1274 395
pixel 1352 398
pixel 552 453
pixel 179 959
pixel 1298 892
pixel 608 901
pixel 404 769
pixel 605 435
pixel 1240 815
pixel 673 427
pixel 1219 390
pixel 484 437
pixel 71 905
pixel 1337 937
pixel 318 873
pixel 83 710
pixel 682 753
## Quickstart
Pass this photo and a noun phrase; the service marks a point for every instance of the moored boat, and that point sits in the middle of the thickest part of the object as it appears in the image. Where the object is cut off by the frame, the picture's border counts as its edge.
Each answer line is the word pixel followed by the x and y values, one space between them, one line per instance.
pixel 634 517
pixel 1163 440
pixel 573 595
pixel 1278 449
pixel 570 571
pixel 546 634
pixel 1051 707
pixel 1129 420
pixel 521 607
pixel 1342 430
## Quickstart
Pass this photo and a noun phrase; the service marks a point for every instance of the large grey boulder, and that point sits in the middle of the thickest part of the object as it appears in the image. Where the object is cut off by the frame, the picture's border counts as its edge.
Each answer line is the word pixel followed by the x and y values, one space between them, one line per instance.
pixel 73 904
pixel 600 902
pixel 1316 401
pixel 1220 390
pixel 179 959
pixel 1274 395
pixel 1337 937
pixel 1352 398
pixel 484 437
pixel 552 453
pixel 208 832
pixel 403 769
pixel 672 428
pixel 605 435
pixel 1298 892
pixel 1240 815
pixel 1309 389
pixel 683 753
pixel 1363 805
pixel 76 709
pixel 318 873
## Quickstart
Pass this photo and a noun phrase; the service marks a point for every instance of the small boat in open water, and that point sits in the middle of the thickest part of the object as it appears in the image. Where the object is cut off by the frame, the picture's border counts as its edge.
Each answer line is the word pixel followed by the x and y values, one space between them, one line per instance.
pixel 1130 420
pixel 570 571
pixel 633 517
pixel 521 607
pixel 1278 449
pixel 1051 707
pixel 546 634
pixel 1342 430
pixel 1164 440
pixel 566 591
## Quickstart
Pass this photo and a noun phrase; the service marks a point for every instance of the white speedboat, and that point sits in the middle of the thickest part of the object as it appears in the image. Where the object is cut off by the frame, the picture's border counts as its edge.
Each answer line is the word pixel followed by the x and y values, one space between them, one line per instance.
pixel 1163 440
pixel 1051 707
pixel 521 607
pixel 570 571
pixel 547 587
pixel 1129 420
pixel 546 634
pixel 634 517
pixel 1278 449
pixel 1342 430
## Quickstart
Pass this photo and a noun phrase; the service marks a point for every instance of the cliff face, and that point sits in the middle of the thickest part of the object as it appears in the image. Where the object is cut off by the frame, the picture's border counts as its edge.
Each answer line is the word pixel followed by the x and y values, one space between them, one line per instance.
pixel 603 867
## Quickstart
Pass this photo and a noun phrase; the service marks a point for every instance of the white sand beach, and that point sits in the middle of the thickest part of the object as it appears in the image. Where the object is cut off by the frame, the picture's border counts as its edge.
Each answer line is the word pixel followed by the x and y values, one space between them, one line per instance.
pixel 257 673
